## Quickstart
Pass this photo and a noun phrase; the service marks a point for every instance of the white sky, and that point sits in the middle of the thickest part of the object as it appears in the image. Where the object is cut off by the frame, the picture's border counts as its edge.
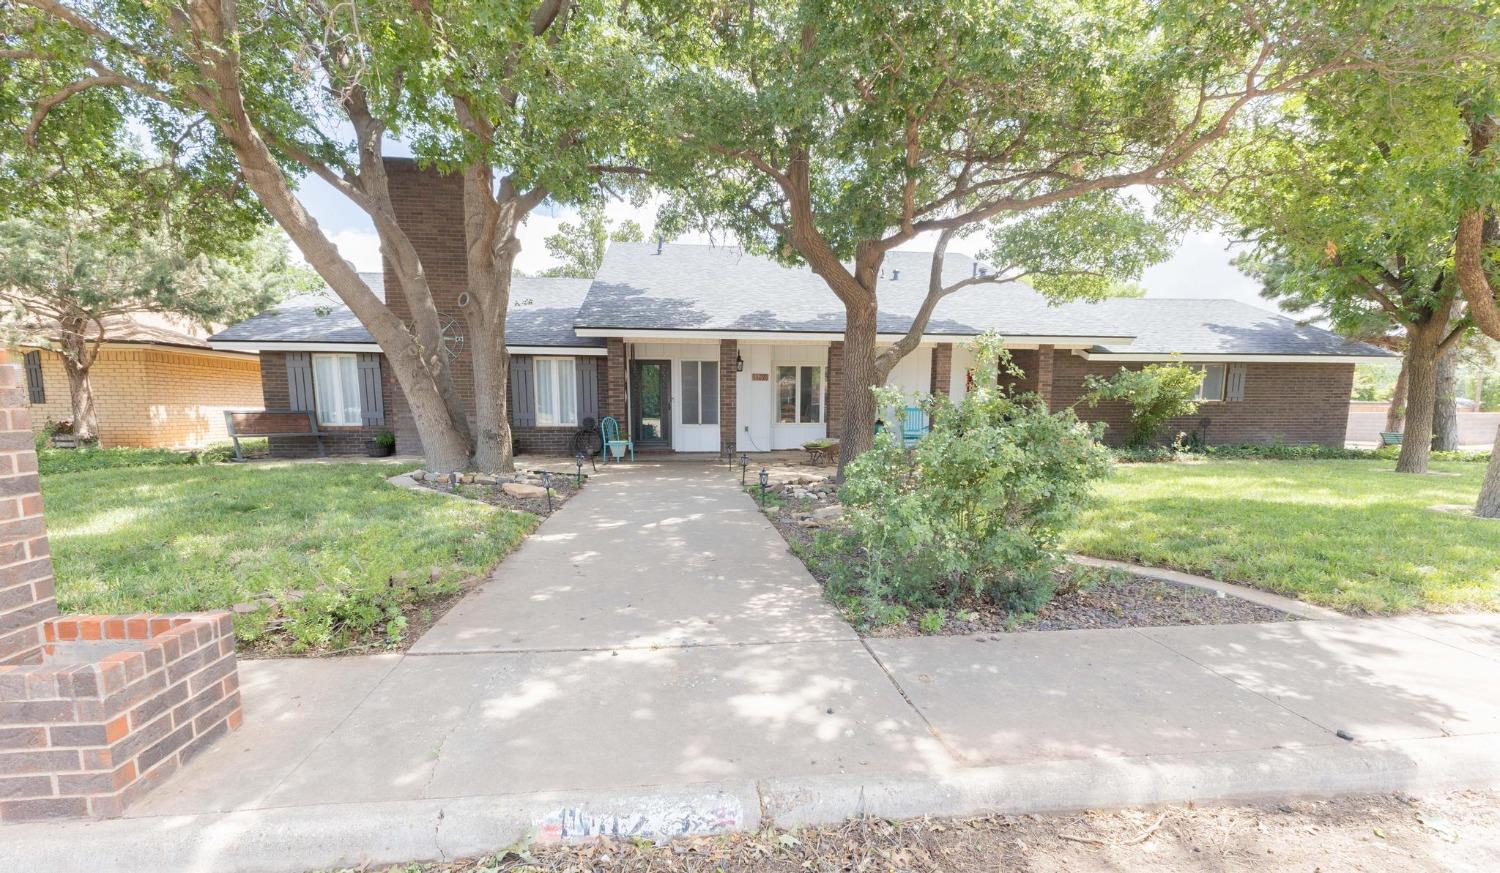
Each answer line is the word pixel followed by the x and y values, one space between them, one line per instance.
pixel 1200 268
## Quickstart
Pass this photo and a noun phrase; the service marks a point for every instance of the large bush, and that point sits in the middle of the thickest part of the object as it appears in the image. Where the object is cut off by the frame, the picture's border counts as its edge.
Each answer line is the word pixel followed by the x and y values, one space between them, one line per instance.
pixel 978 504
pixel 1156 394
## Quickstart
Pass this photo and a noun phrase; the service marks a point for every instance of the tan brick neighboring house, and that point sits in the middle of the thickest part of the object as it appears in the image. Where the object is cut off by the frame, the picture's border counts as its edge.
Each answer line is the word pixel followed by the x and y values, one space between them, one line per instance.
pixel 153 386
pixel 710 349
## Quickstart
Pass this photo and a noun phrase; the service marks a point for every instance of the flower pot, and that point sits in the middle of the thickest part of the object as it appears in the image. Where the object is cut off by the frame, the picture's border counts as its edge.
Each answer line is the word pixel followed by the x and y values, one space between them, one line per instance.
pixel 376 449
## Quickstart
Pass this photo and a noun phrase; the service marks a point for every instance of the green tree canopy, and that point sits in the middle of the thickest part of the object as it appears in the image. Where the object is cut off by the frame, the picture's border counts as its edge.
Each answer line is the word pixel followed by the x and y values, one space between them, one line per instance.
pixel 581 246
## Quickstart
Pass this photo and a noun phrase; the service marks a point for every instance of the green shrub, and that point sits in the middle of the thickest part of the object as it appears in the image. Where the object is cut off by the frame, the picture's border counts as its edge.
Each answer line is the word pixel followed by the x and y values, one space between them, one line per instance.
pixel 1156 394
pixel 978 504
pixel 51 461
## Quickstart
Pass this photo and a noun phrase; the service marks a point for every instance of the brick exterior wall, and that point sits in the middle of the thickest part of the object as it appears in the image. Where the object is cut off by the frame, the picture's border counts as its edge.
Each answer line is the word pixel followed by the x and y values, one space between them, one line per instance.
pixel 612 397
pixel 337 440
pixel 729 352
pixel 835 388
pixel 942 369
pixel 1046 365
pixel 153 397
pixel 90 739
pixel 1293 403
pixel 26 585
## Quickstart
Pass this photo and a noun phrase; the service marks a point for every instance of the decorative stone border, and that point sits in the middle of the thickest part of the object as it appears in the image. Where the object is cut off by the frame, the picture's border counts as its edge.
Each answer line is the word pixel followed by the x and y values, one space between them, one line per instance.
pixel 116 705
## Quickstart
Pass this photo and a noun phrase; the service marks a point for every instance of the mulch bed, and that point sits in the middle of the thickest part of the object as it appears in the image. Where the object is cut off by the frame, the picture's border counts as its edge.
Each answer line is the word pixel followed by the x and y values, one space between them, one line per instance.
pixel 563 488
pixel 1118 600
pixel 420 616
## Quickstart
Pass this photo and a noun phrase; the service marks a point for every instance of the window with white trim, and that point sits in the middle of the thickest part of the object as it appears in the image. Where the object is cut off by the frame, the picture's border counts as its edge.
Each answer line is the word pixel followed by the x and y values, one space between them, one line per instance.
pixel 700 392
pixel 1211 389
pixel 336 389
pixel 556 381
pixel 799 394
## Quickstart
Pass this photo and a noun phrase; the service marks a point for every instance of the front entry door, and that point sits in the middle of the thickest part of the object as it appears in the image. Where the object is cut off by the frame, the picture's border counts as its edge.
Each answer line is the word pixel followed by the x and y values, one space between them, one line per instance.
pixel 651 403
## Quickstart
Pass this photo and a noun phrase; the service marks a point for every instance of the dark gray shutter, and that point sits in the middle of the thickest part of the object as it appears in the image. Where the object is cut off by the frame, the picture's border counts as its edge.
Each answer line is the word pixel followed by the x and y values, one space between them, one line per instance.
pixel 299 381
pixel 588 389
pixel 522 395
pixel 1234 388
pixel 371 403
pixel 34 388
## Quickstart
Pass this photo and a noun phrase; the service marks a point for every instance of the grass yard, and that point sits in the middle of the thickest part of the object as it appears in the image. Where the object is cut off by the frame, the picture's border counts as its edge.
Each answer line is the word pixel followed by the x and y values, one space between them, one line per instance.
pixel 1351 535
pixel 335 556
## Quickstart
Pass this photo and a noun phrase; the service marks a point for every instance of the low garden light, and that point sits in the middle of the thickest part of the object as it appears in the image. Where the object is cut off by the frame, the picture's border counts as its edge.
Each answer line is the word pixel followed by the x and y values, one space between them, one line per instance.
pixel 578 462
pixel 744 465
pixel 547 484
pixel 765 479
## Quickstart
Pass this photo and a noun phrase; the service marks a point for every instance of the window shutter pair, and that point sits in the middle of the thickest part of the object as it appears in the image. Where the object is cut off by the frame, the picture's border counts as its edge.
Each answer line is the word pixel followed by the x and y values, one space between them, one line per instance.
pixel 523 390
pixel 300 393
pixel 34 388
pixel 1234 388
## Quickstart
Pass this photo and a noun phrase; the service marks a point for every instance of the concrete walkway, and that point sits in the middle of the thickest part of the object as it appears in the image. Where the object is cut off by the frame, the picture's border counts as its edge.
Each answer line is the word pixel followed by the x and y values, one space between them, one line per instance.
pixel 653 662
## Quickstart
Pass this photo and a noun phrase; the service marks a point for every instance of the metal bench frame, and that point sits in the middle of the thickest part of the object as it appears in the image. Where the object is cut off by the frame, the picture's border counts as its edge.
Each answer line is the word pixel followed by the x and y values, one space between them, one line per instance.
pixel 312 428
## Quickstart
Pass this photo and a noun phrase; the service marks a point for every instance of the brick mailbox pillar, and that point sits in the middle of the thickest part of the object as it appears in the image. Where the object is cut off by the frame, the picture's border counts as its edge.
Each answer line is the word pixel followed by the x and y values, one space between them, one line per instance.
pixel 94 709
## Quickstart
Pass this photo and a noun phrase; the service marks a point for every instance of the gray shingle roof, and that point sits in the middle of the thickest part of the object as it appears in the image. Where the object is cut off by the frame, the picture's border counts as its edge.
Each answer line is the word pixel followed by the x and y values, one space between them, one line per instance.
pixel 1218 327
pixel 541 314
pixel 309 318
pixel 721 288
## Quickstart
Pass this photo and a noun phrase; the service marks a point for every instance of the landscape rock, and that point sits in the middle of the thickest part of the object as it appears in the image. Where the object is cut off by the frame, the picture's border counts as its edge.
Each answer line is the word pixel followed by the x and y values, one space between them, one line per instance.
pixel 522 489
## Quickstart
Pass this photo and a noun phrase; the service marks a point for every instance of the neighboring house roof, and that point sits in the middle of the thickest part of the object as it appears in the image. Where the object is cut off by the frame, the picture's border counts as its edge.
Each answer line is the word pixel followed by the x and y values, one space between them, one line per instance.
pixel 541 316
pixel 722 290
pixel 137 329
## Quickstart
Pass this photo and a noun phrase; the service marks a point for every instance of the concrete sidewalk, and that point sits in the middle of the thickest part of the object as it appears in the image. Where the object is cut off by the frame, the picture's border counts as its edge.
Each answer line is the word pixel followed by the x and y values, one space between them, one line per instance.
pixel 690 680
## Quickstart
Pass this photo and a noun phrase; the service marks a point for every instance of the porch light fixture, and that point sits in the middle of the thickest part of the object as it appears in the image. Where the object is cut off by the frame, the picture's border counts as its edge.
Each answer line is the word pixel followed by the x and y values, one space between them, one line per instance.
pixel 547 484
pixel 739 363
pixel 578 462
pixel 765 479
pixel 744 465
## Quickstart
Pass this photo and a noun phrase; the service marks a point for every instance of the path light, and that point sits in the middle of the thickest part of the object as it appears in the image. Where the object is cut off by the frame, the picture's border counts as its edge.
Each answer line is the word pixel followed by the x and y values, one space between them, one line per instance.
pixel 744 465
pixel 578 462
pixel 547 484
pixel 765 479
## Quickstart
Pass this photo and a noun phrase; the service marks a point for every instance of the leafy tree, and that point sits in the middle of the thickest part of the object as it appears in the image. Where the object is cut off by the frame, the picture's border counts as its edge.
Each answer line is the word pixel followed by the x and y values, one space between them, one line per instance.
pixel 581 246
pixel 64 283
pixel 522 101
pixel 830 133
pixel 1156 394
pixel 1477 250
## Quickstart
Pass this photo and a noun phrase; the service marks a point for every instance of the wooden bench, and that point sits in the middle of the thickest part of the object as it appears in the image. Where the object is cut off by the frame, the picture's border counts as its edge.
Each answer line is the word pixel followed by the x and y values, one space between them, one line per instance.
pixel 1390 439
pixel 271 423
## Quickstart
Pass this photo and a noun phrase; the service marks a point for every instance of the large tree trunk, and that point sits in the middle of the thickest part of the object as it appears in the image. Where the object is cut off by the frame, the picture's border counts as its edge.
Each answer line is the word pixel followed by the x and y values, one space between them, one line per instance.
pixel 1421 384
pixel 1445 403
pixel 857 432
pixel 1395 416
pixel 81 393
pixel 1488 505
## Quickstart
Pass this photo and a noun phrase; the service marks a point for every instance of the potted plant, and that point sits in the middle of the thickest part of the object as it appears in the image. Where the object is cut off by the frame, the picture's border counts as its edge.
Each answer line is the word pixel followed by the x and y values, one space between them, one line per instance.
pixel 381 445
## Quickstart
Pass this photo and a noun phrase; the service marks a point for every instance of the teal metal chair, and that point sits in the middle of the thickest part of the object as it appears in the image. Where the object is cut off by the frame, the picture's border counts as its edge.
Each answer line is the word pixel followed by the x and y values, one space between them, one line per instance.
pixel 614 444
pixel 914 424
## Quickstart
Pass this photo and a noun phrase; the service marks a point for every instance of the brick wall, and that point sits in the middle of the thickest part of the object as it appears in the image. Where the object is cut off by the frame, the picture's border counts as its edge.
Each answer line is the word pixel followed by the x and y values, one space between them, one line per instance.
pixel 835 388
pixel 942 369
pixel 337 440
pixel 1293 403
pixel 729 353
pixel 154 397
pixel 90 738
pixel 26 585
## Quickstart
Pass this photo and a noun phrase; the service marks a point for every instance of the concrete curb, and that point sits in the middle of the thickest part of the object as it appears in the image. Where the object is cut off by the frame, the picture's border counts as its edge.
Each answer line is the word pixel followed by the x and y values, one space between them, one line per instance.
pixel 1253 595
pixel 296 839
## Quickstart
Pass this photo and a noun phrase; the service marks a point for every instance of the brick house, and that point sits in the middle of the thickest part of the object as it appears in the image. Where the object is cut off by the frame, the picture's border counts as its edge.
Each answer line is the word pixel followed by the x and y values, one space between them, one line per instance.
pixel 154 385
pixel 701 348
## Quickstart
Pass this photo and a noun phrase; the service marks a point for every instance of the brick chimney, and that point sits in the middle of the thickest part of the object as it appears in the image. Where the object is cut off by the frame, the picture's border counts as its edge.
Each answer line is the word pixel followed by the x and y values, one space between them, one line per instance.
pixel 26 588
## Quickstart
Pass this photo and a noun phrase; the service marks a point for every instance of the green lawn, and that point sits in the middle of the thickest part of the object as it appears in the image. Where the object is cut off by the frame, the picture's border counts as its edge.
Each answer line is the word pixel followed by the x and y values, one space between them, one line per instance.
pixel 359 552
pixel 1346 534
